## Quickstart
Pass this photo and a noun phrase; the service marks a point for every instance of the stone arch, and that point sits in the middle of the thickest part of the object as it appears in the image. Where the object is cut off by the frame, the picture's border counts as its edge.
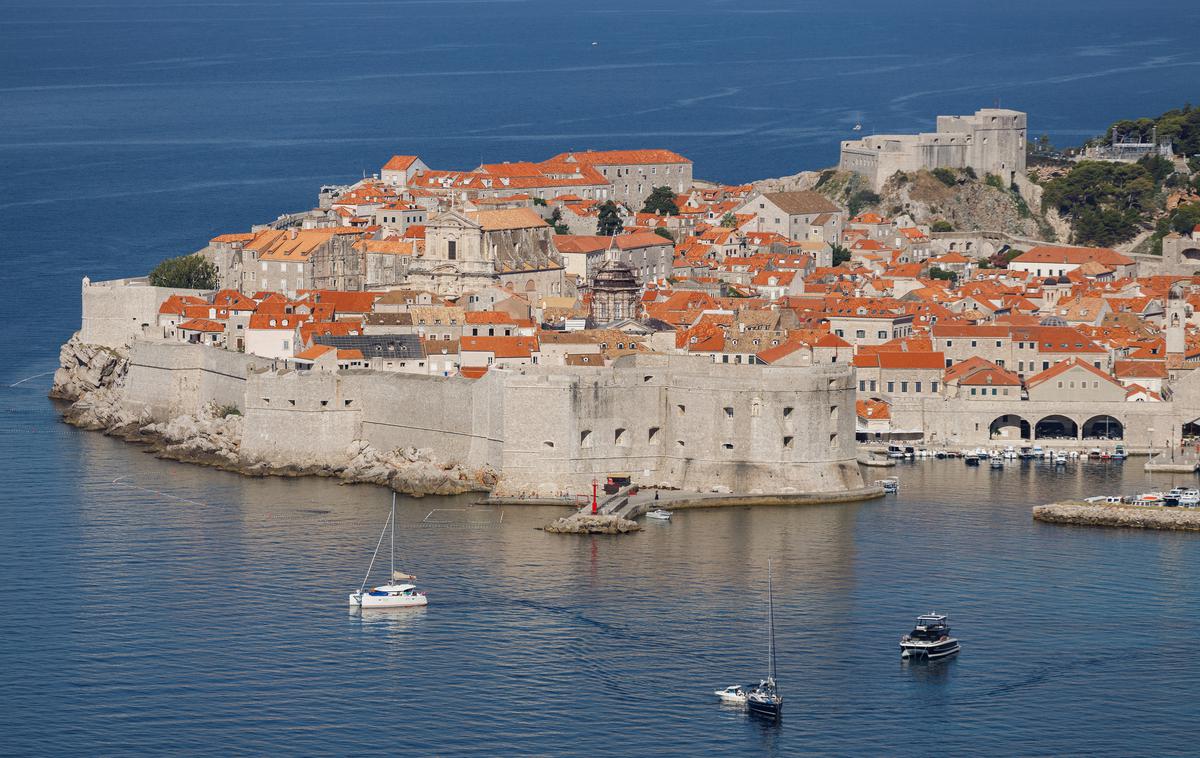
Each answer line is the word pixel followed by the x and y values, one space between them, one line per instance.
pixel 1056 426
pixel 530 286
pixel 1010 426
pixel 1191 254
pixel 1103 427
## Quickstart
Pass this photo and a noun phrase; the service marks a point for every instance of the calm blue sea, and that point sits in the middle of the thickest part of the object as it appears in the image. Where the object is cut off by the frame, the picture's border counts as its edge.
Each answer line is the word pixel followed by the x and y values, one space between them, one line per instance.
pixel 159 608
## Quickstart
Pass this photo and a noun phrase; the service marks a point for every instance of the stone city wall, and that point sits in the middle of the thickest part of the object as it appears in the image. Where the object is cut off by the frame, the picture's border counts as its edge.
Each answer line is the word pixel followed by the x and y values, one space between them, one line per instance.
pixel 119 311
pixel 682 422
pixel 677 421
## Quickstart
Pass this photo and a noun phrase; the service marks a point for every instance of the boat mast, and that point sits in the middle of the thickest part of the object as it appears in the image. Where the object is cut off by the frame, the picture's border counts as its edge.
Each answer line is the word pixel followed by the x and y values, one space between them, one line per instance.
pixel 375 554
pixel 392 576
pixel 771 626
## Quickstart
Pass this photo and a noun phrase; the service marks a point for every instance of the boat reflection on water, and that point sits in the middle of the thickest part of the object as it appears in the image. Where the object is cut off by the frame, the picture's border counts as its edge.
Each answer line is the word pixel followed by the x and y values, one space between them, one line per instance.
pixel 393 618
pixel 937 671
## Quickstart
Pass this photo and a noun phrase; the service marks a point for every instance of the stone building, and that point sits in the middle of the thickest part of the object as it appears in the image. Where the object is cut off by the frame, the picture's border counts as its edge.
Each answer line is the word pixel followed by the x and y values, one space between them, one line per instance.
pixel 616 293
pixel 799 216
pixel 992 141
pixel 634 173
pixel 466 251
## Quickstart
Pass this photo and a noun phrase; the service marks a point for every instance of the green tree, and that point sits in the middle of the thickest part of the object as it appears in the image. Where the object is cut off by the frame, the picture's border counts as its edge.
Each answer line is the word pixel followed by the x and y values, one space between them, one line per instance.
pixel 187 271
pixel 663 231
pixel 941 226
pixel 1105 201
pixel 840 254
pixel 940 273
pixel 860 200
pixel 1157 166
pixel 557 222
pixel 662 202
pixel 1185 218
pixel 729 221
pixel 945 176
pixel 609 224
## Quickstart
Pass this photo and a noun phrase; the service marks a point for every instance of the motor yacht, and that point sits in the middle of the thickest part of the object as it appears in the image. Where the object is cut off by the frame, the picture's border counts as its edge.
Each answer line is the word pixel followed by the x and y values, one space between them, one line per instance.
pixel 930 639
pixel 890 486
pixel 1190 498
pixel 1060 459
pixel 732 694
pixel 971 459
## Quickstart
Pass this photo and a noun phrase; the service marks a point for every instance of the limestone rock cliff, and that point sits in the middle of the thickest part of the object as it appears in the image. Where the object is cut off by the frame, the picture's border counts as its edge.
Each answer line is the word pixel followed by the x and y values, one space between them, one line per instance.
pixel 970 204
pixel 92 380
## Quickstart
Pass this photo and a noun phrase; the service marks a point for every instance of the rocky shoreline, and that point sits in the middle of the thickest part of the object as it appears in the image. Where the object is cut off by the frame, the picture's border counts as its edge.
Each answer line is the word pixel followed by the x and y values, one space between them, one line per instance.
pixel 91 379
pixel 1129 516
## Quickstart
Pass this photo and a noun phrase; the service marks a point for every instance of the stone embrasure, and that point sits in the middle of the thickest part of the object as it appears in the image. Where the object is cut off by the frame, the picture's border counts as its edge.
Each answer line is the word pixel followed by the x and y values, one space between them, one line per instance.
pixel 587 523
pixel 92 379
pixel 1111 514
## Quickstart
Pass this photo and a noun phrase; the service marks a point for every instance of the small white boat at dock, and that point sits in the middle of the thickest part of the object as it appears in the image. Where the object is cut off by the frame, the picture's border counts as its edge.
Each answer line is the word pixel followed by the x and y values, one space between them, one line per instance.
pixel 659 514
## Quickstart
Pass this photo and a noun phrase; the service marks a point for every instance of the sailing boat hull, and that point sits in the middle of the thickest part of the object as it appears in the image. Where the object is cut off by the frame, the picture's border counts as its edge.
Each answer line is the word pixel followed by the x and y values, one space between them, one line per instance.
pixel 769 708
pixel 368 600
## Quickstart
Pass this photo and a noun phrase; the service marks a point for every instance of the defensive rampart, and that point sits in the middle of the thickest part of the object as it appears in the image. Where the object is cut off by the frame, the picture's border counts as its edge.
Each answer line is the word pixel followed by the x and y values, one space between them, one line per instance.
pixel 670 420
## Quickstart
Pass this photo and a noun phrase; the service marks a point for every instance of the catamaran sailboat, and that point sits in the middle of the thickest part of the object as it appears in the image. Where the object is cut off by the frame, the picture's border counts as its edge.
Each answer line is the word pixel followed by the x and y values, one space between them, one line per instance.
pixel 399 593
pixel 765 699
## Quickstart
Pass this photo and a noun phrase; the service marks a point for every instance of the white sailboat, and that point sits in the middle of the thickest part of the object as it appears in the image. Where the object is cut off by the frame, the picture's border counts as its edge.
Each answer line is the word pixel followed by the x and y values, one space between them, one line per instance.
pixel 765 700
pixel 399 592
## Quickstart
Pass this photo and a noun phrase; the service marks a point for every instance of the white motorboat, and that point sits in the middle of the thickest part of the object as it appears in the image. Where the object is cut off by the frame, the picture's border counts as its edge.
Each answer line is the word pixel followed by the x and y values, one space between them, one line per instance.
pixel 1190 498
pixel 1060 459
pixel 659 514
pixel 890 486
pixel 732 694
pixel 398 593
pixel 930 639
pixel 1010 453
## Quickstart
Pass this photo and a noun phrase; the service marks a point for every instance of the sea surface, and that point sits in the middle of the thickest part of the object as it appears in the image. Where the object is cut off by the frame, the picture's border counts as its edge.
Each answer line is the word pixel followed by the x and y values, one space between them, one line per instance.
pixel 160 608
pixel 154 607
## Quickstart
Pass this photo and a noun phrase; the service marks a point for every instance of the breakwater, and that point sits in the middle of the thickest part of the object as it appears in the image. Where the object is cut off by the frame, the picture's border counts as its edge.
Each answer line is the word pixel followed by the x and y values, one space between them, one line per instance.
pixel 1119 515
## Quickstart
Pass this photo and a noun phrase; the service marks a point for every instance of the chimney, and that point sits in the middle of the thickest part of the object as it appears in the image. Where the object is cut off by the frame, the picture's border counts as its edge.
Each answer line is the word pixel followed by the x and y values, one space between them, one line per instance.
pixel 292 233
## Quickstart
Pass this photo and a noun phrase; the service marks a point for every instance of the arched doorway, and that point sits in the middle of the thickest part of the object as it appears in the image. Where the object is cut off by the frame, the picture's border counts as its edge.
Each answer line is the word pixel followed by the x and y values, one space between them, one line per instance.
pixel 1009 427
pixel 1056 427
pixel 1103 427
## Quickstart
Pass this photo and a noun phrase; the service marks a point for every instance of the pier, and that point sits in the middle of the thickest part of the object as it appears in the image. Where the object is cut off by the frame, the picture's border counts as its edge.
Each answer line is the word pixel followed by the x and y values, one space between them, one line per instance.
pixel 1119 515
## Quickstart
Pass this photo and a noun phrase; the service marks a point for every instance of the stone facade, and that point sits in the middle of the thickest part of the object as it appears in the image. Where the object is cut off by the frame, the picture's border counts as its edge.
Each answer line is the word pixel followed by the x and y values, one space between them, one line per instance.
pixel 673 420
pixel 616 293
pixel 992 141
